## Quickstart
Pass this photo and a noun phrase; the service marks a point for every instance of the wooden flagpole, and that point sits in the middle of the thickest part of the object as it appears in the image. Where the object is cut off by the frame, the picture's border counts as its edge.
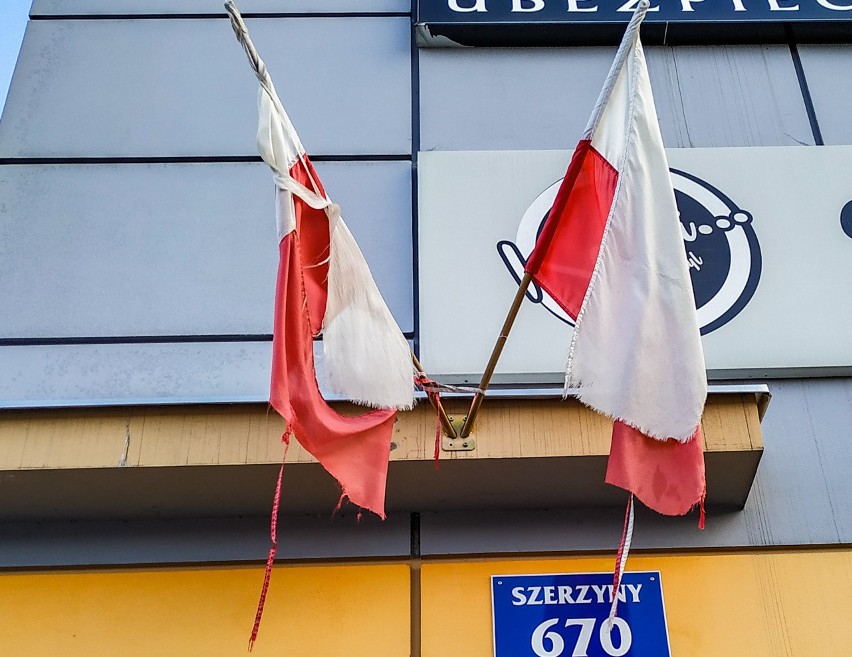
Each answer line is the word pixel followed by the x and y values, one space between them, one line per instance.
pixel 495 356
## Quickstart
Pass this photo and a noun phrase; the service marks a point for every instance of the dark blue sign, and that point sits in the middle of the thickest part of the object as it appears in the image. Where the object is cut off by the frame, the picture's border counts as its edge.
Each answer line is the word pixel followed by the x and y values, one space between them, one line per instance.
pixel 595 11
pixel 564 22
pixel 566 616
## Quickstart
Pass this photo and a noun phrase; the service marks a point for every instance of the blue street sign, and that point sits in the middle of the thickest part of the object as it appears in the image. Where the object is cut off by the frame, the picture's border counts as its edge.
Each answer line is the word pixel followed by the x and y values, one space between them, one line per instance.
pixel 565 616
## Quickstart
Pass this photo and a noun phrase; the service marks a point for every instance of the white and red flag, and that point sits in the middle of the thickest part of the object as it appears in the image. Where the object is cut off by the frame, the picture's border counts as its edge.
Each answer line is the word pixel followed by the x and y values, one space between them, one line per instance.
pixel 611 254
pixel 324 286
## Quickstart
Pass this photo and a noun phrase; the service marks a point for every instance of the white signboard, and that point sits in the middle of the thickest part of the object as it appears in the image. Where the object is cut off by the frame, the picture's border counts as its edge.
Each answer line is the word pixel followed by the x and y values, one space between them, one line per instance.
pixel 767 234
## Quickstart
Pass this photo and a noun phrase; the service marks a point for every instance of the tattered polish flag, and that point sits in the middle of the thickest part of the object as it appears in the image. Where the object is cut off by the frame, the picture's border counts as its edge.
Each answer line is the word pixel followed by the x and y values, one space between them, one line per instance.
pixel 611 255
pixel 324 286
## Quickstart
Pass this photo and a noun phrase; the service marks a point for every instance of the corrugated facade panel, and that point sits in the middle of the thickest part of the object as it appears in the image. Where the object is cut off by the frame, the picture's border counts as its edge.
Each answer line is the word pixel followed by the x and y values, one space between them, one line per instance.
pixel 493 99
pixel 728 96
pixel 830 84
pixel 802 492
pixel 157 88
pixel 176 249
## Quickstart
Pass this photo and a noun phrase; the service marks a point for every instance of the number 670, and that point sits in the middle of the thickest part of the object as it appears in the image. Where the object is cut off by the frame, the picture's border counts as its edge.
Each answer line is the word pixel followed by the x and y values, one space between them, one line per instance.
pixel 543 634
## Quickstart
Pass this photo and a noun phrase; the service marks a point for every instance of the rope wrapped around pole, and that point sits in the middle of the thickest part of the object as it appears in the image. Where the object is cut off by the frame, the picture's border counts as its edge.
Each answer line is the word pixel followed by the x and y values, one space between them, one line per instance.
pixel 241 32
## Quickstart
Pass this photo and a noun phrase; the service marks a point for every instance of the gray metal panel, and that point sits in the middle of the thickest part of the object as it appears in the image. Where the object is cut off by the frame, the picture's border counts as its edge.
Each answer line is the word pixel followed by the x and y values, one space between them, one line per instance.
pixel 33 545
pixel 135 493
pixel 175 249
pixel 487 99
pixel 129 7
pixel 801 495
pixel 105 250
pixel 127 374
pixel 570 530
pixel 827 72
pixel 728 96
pixel 184 88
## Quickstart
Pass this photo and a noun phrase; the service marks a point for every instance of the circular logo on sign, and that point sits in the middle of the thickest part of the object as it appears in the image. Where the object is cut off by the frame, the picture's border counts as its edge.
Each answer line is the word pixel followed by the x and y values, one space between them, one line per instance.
pixel 719 240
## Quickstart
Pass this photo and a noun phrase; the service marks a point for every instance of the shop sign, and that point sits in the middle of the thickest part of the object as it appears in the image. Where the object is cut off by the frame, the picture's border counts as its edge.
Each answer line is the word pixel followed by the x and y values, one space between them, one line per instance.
pixel 528 22
pixel 567 616
pixel 767 236
pixel 524 11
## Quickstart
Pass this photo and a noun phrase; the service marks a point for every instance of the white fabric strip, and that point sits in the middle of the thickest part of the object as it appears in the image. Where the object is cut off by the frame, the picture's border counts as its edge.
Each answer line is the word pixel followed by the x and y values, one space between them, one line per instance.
pixel 280 148
pixel 277 140
pixel 367 359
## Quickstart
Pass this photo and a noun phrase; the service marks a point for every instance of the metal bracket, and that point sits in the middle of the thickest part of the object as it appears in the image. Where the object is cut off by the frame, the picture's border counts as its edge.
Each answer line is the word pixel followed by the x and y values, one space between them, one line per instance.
pixel 458 444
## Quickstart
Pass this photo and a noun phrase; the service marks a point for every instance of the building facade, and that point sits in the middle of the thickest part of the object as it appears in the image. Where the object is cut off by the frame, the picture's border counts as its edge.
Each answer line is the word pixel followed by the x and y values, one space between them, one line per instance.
pixel 137 265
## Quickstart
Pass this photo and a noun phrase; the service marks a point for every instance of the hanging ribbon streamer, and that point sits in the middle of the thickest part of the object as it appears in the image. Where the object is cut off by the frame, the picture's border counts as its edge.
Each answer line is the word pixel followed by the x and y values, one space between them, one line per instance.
pixel 273 549
pixel 431 389
pixel 621 557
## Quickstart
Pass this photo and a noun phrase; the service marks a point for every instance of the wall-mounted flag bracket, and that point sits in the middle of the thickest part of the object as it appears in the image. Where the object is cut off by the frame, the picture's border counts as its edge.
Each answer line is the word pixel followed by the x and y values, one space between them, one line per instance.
pixel 453 443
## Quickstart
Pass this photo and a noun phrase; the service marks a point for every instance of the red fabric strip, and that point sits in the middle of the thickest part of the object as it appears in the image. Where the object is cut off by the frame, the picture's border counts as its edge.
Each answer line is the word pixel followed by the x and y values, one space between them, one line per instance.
pixel 666 475
pixel 565 253
pixel 314 239
pixel 273 548
pixel 355 450
pixel 432 392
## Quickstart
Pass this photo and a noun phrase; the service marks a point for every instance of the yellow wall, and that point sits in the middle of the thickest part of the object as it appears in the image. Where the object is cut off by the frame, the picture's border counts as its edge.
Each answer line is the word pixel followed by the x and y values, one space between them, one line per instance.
pixel 750 604
pixel 717 605
pixel 360 610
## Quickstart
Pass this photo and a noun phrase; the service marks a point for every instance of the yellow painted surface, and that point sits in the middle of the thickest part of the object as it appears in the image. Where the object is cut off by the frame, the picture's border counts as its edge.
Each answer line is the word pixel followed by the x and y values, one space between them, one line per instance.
pixel 754 604
pixel 330 611
pixel 251 434
pixel 766 604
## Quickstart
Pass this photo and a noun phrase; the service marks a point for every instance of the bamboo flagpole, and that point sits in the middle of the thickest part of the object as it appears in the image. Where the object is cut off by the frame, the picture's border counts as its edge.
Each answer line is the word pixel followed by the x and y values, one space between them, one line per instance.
pixel 495 356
